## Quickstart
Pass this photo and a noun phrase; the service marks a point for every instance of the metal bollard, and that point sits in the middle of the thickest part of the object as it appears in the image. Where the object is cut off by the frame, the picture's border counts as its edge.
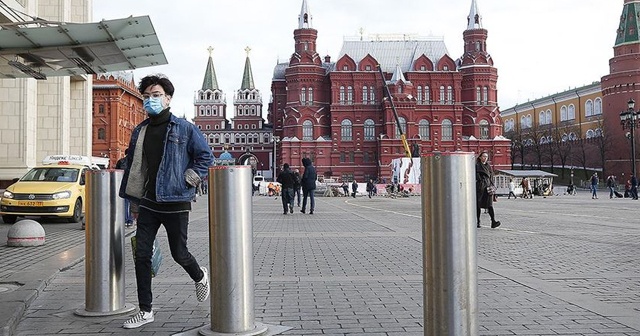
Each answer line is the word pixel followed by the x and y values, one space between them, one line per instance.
pixel 449 244
pixel 104 246
pixel 231 253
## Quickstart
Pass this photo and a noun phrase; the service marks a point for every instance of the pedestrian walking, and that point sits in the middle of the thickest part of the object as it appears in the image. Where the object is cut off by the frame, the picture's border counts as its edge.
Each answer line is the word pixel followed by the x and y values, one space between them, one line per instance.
pixel 485 189
pixel 611 185
pixel 370 188
pixel 634 186
pixel 345 188
pixel 308 183
pixel 354 188
pixel 594 186
pixel 286 179
pixel 163 148
pixel 297 187
pixel 512 189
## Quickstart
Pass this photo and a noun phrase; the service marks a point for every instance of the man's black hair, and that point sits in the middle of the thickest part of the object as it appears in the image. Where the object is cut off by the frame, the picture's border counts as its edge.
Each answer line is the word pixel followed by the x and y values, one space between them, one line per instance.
pixel 158 79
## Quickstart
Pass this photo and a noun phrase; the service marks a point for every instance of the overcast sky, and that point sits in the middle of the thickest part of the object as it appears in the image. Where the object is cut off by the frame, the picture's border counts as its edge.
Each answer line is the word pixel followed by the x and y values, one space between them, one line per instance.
pixel 539 47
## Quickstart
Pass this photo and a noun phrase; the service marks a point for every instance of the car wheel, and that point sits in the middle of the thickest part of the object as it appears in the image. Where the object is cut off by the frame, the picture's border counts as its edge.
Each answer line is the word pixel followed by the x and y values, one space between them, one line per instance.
pixel 9 219
pixel 77 212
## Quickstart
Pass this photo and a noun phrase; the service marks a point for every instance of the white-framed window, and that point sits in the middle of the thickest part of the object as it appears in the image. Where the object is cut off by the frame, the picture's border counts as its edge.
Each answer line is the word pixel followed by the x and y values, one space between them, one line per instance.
pixel 303 96
pixel 403 127
pixel 563 113
pixel 548 120
pixel 478 95
pixel 571 113
pixel 208 127
pixel 419 94
pixel 346 130
pixel 427 95
pixel 485 95
pixel 597 106
pixel 365 95
pixel 590 134
pixel 449 94
pixel 588 108
pixel 423 129
pixel 447 130
pixel 369 130
pixel 542 119
pixel 307 130
pixel 349 95
pixel 310 96
pixel 442 96
pixel 342 95
pixel 372 95
pixel 484 129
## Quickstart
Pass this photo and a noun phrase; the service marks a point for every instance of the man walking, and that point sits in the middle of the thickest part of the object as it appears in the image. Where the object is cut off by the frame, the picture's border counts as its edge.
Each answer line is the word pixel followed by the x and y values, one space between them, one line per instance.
pixel 296 186
pixel 308 182
pixel 168 158
pixel 285 178
pixel 594 186
pixel 634 186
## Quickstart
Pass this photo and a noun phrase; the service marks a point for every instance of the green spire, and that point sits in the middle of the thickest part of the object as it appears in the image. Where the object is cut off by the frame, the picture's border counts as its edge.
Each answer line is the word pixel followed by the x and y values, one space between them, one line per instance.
pixel 247 77
pixel 210 81
pixel 628 30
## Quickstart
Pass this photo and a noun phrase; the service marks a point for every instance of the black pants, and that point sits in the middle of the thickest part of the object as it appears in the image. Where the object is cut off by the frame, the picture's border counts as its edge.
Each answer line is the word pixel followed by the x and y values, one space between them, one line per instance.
pixel 287 199
pixel 176 225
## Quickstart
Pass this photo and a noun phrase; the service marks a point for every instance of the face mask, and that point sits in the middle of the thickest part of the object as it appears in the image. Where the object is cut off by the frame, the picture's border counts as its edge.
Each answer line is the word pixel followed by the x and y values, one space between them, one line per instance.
pixel 153 105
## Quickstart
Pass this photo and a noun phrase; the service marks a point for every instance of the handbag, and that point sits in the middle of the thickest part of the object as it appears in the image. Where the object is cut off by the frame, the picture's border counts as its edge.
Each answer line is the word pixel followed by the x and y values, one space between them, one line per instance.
pixel 491 190
pixel 156 255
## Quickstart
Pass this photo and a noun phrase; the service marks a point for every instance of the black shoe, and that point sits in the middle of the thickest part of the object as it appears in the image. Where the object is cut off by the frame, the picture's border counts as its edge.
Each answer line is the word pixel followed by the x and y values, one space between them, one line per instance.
pixel 284 213
pixel 478 225
pixel 311 212
pixel 495 224
pixel 302 210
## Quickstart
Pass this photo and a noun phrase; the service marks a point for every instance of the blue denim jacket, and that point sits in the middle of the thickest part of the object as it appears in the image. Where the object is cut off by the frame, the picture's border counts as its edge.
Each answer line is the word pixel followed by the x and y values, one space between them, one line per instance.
pixel 184 147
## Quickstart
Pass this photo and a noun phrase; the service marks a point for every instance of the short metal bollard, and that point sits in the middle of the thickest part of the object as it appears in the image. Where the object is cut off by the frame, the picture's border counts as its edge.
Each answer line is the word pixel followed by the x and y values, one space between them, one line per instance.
pixel 449 244
pixel 231 253
pixel 104 246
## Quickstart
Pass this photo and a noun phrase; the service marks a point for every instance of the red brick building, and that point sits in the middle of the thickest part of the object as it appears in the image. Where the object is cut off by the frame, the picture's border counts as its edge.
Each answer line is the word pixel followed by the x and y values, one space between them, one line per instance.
pixel 245 136
pixel 334 112
pixel 117 109
pixel 619 86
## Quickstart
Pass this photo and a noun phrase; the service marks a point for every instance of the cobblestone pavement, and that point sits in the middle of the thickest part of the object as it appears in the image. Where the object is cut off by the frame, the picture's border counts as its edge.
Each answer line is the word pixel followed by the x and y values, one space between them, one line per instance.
pixel 564 265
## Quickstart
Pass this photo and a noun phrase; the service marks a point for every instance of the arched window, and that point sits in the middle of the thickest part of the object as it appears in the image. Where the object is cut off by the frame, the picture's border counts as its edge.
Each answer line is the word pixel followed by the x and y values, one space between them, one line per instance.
pixel 529 121
pixel 442 97
pixel 523 122
pixel 303 96
pixel 590 134
pixel 346 130
pixel 403 127
pixel 101 109
pixel 563 113
pixel 598 132
pixel 484 129
pixel 427 95
pixel 588 108
pixel 310 96
pixel 419 94
pixel 349 95
pixel 102 134
pixel 449 94
pixel 548 118
pixel 447 130
pixel 478 95
pixel 572 112
pixel 342 95
pixel 372 95
pixel 542 119
pixel 307 130
pixel 369 130
pixel 423 129
pixel 365 98
pixel 485 95
pixel 597 106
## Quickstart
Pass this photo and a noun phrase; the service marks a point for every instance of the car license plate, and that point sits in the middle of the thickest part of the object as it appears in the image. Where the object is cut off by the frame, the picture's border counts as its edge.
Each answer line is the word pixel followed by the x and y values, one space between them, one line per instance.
pixel 30 203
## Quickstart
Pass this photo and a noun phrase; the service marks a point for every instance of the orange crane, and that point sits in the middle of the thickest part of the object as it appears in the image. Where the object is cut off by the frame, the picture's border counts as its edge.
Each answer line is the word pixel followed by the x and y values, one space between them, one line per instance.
pixel 405 144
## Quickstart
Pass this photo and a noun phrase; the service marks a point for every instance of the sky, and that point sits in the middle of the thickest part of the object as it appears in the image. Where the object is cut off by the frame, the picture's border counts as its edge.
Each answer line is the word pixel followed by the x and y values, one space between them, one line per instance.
pixel 540 47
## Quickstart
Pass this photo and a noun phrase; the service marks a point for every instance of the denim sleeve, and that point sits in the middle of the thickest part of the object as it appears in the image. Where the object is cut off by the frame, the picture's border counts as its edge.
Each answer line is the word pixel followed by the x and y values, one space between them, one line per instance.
pixel 200 152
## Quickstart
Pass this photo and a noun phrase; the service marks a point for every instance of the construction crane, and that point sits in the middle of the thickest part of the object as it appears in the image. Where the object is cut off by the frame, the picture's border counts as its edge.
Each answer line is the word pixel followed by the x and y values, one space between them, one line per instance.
pixel 405 144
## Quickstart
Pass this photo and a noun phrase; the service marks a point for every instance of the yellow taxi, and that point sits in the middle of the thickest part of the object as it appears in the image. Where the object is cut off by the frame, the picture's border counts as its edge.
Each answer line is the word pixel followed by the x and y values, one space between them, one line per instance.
pixel 56 190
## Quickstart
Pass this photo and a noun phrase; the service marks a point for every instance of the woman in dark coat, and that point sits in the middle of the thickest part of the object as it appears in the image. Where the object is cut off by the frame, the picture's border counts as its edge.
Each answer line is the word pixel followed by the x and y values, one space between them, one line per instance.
pixel 484 180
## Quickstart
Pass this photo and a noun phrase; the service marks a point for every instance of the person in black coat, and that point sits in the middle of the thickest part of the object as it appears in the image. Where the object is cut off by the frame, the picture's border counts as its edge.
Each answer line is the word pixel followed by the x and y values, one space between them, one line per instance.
pixel 286 179
pixel 308 183
pixel 484 182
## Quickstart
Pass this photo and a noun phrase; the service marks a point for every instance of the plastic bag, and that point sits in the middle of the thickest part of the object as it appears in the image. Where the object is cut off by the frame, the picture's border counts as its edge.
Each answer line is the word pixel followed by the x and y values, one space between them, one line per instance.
pixel 156 255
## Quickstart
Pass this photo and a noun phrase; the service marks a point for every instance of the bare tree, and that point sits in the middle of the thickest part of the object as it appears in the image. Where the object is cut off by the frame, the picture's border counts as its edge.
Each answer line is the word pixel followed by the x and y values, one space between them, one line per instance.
pixel 535 133
pixel 603 142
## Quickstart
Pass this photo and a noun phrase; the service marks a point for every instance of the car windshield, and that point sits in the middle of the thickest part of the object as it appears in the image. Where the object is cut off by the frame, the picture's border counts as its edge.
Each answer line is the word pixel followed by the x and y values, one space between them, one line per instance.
pixel 52 174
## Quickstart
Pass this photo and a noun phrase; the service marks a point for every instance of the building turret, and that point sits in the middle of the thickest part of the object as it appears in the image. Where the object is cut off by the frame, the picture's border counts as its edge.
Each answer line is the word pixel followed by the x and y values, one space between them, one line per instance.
pixel 210 103
pixel 247 102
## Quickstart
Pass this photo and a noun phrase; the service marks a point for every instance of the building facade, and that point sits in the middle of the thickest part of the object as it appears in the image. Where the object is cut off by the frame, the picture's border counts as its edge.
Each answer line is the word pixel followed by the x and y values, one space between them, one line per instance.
pixel 44 117
pixel 242 136
pixel 336 113
pixel 564 130
pixel 117 109
pixel 581 128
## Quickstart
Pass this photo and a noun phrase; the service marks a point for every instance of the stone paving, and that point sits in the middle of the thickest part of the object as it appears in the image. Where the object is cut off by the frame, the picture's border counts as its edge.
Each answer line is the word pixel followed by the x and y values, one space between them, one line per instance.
pixel 565 265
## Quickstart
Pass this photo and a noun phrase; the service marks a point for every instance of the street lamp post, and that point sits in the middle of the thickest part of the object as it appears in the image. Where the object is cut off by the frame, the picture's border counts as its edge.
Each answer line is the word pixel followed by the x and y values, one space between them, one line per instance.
pixel 276 139
pixel 628 120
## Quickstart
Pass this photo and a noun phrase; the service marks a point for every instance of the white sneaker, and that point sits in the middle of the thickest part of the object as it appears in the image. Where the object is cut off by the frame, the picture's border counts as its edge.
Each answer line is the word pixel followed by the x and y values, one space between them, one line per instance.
pixel 202 286
pixel 138 320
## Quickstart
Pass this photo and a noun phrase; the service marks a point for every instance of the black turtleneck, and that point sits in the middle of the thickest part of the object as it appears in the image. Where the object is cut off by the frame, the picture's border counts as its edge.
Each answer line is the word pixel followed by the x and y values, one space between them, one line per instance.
pixel 153 150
